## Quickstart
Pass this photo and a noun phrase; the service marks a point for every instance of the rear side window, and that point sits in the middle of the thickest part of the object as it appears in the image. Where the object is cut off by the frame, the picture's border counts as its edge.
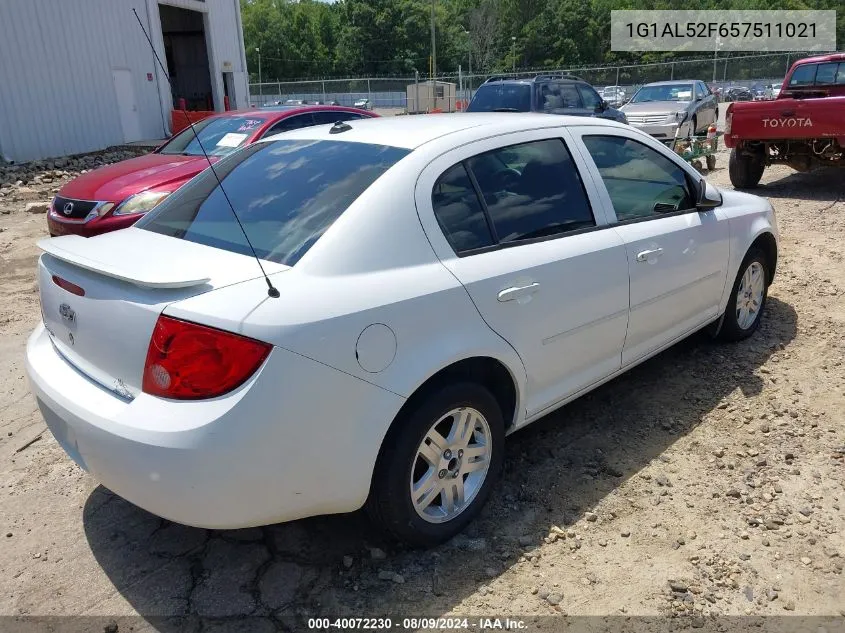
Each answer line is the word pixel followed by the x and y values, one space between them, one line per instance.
pixel 523 192
pixel 555 97
pixel 291 123
pixel 830 74
pixel 459 211
pixel 323 118
pixel 287 193
pixel 501 97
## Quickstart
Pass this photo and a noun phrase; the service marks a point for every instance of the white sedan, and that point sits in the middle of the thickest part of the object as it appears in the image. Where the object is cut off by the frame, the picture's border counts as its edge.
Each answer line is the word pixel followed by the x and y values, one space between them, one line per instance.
pixel 443 281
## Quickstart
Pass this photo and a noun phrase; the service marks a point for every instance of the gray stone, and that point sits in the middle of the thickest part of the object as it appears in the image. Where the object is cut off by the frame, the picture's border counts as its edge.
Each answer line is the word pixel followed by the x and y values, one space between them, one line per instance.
pixel 348 561
pixel 554 599
pixel 678 586
pixel 37 207
pixel 377 553
pixel 591 517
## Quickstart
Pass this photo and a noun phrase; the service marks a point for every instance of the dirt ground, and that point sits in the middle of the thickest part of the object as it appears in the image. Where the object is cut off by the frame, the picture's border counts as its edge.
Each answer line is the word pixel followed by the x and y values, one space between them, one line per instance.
pixel 706 482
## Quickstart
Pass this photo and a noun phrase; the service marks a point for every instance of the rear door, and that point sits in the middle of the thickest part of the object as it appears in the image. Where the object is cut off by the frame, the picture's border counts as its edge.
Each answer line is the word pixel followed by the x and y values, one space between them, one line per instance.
pixel 677 255
pixel 516 222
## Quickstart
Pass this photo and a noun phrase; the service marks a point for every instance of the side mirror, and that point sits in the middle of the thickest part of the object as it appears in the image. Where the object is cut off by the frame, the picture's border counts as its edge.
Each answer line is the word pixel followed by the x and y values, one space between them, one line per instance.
pixel 602 106
pixel 708 196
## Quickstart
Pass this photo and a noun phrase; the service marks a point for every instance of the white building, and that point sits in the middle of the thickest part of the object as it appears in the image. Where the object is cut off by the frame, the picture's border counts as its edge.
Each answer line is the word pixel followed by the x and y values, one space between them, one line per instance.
pixel 79 75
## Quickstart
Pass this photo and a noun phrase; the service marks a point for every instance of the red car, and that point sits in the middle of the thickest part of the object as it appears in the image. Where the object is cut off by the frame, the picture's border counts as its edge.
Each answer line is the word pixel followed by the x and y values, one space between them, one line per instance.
pixel 116 196
pixel 803 127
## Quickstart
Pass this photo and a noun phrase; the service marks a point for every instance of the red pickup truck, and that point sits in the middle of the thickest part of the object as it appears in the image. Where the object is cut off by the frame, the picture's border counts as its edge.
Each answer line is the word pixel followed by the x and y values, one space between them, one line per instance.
pixel 804 127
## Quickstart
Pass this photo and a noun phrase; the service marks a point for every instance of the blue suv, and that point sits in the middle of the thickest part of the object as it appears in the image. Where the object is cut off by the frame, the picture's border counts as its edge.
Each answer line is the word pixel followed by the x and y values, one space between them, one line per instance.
pixel 552 94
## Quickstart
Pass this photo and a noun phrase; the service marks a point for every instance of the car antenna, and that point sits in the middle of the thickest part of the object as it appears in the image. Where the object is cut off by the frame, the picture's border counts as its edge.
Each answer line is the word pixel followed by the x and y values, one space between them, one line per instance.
pixel 272 291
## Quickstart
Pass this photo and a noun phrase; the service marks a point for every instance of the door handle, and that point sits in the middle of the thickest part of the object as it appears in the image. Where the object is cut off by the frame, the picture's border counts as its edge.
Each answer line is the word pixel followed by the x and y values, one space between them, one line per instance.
pixel 644 255
pixel 517 292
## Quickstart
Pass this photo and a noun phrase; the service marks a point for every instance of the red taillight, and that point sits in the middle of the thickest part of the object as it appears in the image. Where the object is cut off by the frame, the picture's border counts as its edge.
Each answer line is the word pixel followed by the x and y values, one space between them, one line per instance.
pixel 729 116
pixel 71 288
pixel 186 361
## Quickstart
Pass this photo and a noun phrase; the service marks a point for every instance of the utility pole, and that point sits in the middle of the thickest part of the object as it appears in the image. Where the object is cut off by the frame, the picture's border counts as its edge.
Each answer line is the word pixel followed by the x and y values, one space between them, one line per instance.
pixel 513 51
pixel 715 54
pixel 260 97
pixel 433 47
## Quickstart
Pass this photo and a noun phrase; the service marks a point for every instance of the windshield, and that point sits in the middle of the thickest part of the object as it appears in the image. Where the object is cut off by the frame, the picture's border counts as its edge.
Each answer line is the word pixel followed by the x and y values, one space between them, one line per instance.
pixel 218 135
pixel 286 193
pixel 668 92
pixel 501 97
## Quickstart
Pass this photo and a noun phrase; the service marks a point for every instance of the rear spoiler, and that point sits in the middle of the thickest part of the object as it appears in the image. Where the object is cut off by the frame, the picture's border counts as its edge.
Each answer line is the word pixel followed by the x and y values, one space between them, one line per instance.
pixel 107 258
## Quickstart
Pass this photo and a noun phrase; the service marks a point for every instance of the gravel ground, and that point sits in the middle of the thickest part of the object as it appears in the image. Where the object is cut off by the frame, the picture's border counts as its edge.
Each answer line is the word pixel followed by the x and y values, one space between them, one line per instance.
pixel 707 481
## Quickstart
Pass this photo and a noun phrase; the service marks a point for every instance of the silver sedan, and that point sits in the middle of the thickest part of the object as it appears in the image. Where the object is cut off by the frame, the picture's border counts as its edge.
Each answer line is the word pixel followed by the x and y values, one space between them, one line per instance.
pixel 667 109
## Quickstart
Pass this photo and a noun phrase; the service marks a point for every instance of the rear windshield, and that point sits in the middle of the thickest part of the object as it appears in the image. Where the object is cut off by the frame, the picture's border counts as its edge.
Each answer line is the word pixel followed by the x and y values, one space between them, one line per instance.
pixel 287 193
pixel 219 136
pixel 501 98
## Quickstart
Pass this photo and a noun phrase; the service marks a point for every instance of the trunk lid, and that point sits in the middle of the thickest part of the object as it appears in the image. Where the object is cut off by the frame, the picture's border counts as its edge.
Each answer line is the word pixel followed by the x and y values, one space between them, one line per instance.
pixel 128 278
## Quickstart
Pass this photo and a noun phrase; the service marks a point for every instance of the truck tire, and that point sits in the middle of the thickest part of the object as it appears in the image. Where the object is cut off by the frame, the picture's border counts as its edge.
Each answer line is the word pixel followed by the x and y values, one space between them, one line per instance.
pixel 745 170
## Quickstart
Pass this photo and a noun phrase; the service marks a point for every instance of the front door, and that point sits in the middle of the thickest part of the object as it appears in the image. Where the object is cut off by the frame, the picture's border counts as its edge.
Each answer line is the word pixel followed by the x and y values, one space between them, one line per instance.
pixel 514 221
pixel 677 255
pixel 127 106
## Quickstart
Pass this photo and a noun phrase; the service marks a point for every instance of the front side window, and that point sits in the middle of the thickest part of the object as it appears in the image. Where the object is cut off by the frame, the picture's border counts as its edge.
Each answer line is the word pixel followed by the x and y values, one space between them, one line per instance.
pixel 286 193
pixel 641 182
pixel 589 97
pixel 218 135
pixel 804 75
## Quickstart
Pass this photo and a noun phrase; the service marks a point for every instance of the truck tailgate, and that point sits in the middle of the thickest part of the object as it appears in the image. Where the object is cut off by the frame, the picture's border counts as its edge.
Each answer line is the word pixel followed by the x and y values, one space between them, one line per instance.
pixel 784 119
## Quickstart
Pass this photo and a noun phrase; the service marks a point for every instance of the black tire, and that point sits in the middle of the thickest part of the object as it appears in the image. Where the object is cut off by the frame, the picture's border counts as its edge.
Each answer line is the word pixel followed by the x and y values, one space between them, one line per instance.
pixel 731 330
pixel 390 505
pixel 745 170
pixel 711 162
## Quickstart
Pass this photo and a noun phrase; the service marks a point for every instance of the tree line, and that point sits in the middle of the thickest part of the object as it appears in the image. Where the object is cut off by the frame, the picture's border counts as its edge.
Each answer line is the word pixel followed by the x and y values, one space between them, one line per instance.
pixel 306 39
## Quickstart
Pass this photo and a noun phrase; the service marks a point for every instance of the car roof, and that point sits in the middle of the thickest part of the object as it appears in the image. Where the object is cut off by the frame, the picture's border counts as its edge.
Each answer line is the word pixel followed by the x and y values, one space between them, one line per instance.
pixel 281 111
pixel 410 132
pixel 673 82
pixel 832 57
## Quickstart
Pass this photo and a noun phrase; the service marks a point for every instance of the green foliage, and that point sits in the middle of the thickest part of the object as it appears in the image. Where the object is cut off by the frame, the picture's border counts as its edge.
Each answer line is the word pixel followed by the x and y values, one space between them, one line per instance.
pixel 309 39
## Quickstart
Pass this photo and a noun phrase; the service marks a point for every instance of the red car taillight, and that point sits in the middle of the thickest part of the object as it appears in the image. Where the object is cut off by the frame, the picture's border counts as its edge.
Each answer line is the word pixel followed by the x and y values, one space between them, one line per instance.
pixel 186 361
pixel 729 115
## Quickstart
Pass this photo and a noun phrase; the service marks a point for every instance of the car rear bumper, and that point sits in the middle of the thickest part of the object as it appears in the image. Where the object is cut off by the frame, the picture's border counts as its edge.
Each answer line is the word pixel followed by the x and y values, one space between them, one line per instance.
pixel 298 439
pixel 96 226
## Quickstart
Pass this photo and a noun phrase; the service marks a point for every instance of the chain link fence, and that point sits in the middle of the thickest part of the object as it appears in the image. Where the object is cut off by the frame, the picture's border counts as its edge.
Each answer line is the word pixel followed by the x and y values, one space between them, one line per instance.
pixel 402 94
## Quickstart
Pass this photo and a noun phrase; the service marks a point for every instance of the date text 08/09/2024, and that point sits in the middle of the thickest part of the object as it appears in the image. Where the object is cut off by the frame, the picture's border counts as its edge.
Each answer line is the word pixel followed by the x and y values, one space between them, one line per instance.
pixel 415 624
pixel 710 30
